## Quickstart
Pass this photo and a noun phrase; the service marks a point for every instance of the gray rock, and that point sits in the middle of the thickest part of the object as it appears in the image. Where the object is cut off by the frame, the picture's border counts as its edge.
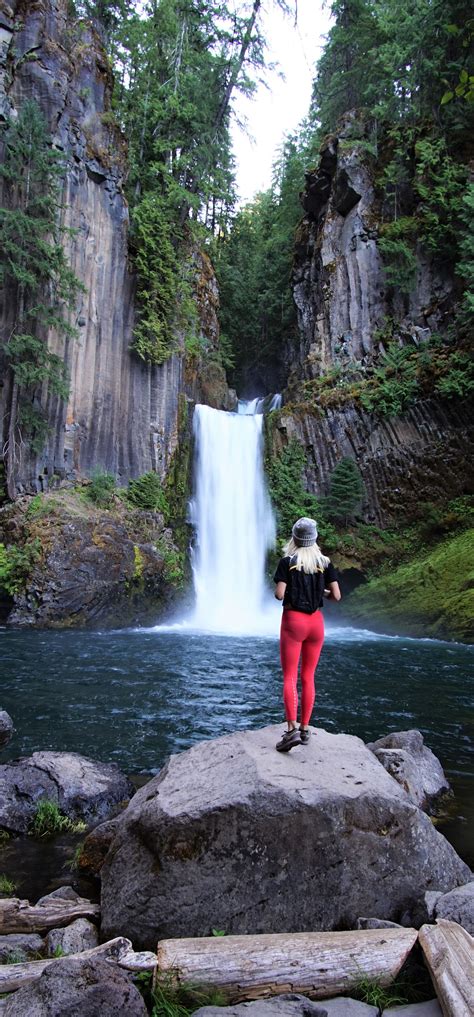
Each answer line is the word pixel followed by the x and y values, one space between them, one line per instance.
pixel 341 1006
pixel 6 728
pixel 78 936
pixel 289 1004
pixel 82 788
pixel 235 836
pixel 405 756
pixel 376 923
pixel 430 1008
pixel 21 946
pixel 458 906
pixel 78 988
pixel 63 892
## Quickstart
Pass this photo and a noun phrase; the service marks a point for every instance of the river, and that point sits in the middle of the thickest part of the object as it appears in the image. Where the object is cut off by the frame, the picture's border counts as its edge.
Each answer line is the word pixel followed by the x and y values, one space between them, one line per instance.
pixel 135 696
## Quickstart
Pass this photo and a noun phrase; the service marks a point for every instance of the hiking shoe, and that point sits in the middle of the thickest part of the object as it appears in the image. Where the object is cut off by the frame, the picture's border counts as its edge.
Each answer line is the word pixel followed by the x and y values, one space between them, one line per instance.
pixel 289 740
pixel 305 735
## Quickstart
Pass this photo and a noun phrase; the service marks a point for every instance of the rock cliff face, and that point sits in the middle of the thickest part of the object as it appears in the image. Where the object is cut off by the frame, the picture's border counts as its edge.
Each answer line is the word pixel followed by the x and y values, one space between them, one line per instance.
pixel 344 305
pixel 339 285
pixel 122 414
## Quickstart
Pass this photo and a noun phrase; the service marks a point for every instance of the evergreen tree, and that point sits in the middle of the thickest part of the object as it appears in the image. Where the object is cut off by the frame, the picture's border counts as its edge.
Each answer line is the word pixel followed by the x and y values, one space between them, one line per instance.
pixel 346 490
pixel 36 277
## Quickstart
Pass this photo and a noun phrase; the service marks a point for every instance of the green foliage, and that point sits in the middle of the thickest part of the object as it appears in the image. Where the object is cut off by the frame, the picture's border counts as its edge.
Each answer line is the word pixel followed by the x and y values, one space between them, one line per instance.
pixel 34 271
pixel 102 488
pixel 346 490
pixel 58 951
pixel 398 600
pixel 48 820
pixel 7 886
pixel 218 932
pixel 174 564
pixel 138 563
pixel 147 493
pixel 17 564
pixel 289 496
pixel 37 507
pixel 157 265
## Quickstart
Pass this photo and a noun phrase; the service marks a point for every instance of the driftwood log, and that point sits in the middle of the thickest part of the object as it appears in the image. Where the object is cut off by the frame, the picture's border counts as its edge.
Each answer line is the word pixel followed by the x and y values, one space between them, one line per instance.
pixel 18 916
pixel 316 964
pixel 116 951
pixel 448 950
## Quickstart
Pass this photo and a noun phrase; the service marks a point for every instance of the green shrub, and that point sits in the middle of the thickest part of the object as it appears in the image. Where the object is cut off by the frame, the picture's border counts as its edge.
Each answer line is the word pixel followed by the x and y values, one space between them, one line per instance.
pixel 101 489
pixel 147 493
pixel 16 565
pixel 173 572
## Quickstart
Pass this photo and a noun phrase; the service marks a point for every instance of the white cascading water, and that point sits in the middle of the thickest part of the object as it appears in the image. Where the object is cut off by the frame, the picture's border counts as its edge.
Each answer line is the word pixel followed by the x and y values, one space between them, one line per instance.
pixel 234 523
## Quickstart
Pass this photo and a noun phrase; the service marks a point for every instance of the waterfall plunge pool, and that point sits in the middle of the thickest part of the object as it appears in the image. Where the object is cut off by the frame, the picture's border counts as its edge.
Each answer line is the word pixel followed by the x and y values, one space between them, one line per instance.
pixel 135 696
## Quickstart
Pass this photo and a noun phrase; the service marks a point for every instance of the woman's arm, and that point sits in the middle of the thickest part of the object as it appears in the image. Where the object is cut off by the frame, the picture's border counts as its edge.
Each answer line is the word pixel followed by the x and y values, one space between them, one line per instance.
pixel 280 590
pixel 332 592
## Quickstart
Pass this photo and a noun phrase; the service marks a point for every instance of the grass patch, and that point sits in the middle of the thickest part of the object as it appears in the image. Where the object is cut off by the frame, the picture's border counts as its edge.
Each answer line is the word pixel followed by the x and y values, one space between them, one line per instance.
pixel 48 821
pixel 7 886
pixel 166 999
pixel 369 990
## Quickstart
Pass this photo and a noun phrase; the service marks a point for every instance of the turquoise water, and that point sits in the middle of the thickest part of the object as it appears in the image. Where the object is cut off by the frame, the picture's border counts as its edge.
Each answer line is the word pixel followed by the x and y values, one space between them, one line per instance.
pixel 135 696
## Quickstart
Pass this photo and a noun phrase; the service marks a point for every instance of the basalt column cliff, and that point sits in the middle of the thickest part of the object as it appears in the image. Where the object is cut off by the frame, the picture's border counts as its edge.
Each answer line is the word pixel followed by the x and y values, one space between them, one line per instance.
pixel 348 315
pixel 122 414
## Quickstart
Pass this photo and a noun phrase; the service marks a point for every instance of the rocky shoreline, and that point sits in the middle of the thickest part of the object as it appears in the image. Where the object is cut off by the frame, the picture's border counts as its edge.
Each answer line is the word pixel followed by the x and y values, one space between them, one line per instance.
pixel 230 836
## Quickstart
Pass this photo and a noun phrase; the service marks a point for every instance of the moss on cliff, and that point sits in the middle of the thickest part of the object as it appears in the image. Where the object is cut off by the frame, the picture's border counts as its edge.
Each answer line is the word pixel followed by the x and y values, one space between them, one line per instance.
pixel 432 595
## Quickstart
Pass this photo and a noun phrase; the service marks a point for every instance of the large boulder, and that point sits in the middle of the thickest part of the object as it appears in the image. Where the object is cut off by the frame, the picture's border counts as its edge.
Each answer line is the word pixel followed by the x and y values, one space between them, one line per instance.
pixel 406 758
pixel 458 906
pixel 236 836
pixel 6 728
pixel 79 988
pixel 80 787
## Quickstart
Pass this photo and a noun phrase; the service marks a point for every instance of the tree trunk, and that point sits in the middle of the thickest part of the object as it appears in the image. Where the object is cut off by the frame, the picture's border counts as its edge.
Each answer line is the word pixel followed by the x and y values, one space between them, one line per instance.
pixel 17 916
pixel 120 951
pixel 448 952
pixel 317 964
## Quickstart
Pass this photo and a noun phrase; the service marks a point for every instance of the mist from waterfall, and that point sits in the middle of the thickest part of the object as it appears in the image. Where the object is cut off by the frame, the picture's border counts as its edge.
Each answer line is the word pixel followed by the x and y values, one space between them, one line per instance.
pixel 234 522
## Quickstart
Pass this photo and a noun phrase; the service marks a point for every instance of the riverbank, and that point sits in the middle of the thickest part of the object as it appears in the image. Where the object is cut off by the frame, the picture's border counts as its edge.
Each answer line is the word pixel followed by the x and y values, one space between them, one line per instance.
pixel 430 596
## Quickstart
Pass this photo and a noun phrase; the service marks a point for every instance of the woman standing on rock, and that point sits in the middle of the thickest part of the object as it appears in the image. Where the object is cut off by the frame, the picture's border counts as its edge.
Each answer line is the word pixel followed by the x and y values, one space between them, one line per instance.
pixel 303 577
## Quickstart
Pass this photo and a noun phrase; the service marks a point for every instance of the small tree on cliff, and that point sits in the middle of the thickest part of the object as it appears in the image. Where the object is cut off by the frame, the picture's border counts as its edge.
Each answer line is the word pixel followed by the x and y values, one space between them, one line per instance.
pixel 34 276
pixel 346 490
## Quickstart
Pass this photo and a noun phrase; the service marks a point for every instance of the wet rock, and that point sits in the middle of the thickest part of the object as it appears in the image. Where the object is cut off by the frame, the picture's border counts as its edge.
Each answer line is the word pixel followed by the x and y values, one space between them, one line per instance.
pixel 406 758
pixel 62 892
pixel 458 906
pixel 293 1005
pixel 21 947
pixel 95 847
pixel 6 728
pixel 82 788
pixel 78 988
pixel 78 936
pixel 430 1008
pixel 235 836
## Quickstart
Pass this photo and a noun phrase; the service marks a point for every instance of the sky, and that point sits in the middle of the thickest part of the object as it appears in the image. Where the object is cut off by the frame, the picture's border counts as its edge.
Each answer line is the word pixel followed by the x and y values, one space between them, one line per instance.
pixel 279 108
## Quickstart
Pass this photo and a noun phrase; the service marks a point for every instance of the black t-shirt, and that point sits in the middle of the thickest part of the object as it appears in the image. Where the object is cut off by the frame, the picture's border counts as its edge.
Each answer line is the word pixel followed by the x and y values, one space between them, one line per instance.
pixel 303 592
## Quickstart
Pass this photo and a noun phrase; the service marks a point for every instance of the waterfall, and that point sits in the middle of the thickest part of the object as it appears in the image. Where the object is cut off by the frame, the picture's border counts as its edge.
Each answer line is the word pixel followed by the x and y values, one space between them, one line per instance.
pixel 234 523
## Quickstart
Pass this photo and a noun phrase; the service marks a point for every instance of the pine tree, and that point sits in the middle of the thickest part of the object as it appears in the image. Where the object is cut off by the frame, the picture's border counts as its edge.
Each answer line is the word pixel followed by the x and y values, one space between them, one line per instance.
pixel 346 490
pixel 35 276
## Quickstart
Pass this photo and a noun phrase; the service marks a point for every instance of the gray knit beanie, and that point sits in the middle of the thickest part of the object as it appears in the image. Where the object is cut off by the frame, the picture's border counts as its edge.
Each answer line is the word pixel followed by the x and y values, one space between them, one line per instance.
pixel 305 532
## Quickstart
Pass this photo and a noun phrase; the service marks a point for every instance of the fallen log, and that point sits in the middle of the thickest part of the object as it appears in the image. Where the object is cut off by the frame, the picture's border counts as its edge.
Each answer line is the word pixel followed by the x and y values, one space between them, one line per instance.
pixel 448 950
pixel 20 916
pixel 316 964
pixel 116 951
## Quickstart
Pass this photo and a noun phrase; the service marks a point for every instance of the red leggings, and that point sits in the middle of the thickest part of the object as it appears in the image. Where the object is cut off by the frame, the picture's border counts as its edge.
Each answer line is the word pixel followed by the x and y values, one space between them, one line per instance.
pixel 300 634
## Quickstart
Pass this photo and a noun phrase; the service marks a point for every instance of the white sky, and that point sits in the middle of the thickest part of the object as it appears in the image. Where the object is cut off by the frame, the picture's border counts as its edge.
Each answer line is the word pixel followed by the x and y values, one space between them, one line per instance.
pixel 279 108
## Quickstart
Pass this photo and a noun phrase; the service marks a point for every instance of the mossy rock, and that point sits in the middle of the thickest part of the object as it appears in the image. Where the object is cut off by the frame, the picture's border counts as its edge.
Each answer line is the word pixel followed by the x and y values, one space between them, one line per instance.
pixel 430 596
